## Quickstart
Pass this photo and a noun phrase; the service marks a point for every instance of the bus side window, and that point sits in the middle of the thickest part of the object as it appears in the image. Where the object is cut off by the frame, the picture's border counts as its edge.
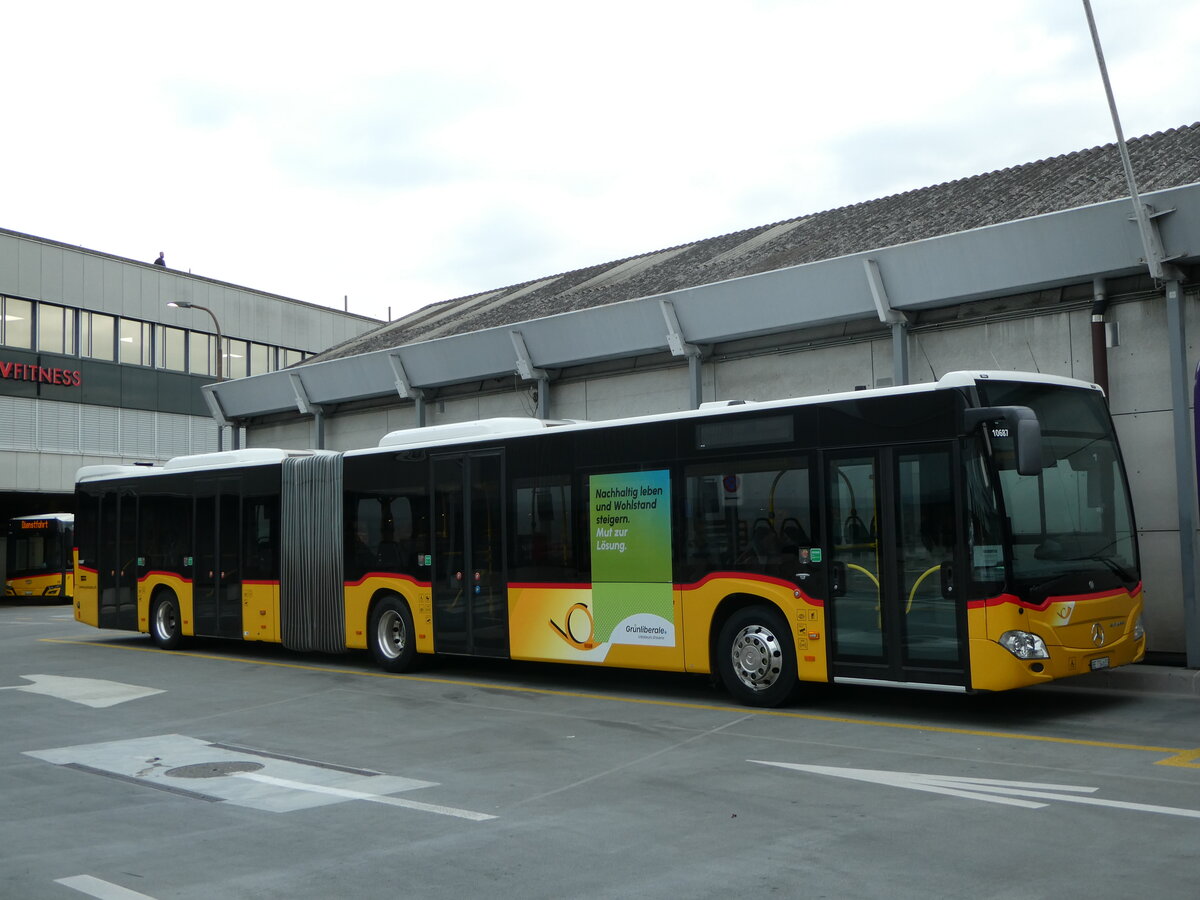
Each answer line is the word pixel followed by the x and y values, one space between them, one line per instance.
pixel 260 533
pixel 754 516
pixel 542 529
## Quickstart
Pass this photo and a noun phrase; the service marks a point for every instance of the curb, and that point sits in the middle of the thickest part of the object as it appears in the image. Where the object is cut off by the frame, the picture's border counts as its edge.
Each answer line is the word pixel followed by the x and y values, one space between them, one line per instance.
pixel 1140 678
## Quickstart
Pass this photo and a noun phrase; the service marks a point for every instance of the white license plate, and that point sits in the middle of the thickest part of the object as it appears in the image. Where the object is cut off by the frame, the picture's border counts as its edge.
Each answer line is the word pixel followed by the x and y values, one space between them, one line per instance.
pixel 1101 663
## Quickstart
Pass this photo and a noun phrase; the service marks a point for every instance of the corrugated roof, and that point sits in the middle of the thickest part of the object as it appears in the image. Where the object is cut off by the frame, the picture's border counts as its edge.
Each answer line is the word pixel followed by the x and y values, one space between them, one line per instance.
pixel 1161 160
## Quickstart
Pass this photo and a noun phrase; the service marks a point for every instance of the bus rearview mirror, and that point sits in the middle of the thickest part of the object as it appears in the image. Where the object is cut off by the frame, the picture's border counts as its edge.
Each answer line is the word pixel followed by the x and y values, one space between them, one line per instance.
pixel 1021 424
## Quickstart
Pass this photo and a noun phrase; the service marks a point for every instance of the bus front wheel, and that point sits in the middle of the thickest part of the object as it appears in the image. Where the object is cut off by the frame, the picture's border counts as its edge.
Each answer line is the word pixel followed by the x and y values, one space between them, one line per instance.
pixel 165 625
pixel 392 637
pixel 756 657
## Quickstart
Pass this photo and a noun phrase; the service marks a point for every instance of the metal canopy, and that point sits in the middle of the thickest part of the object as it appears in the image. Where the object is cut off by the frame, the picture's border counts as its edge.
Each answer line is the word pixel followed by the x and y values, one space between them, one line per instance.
pixel 1066 247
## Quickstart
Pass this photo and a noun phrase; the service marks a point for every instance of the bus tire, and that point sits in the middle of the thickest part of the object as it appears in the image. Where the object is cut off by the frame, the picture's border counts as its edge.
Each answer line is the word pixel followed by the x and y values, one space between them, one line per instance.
pixel 756 657
pixel 165 623
pixel 391 635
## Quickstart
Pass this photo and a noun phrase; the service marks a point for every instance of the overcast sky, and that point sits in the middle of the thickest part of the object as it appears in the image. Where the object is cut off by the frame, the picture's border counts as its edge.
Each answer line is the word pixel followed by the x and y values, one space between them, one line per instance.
pixel 405 153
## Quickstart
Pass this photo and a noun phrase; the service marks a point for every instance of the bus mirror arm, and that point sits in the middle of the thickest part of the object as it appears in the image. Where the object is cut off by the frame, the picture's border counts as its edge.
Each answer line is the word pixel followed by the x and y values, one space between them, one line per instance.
pixel 1022 424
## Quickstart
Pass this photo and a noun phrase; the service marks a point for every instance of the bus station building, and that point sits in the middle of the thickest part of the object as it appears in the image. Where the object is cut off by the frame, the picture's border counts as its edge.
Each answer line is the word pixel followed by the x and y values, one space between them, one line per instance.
pixel 96 366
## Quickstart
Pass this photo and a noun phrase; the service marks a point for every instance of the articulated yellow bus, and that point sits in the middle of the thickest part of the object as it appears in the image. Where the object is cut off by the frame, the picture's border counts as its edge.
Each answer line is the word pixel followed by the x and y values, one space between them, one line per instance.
pixel 38 558
pixel 974 534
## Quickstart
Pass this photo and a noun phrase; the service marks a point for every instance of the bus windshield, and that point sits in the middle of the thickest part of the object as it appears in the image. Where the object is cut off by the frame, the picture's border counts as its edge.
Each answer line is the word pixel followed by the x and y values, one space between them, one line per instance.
pixel 35 548
pixel 1072 529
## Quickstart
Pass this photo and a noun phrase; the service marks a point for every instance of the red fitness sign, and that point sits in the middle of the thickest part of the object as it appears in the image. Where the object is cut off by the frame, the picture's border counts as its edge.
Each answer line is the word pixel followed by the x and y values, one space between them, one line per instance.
pixel 41 374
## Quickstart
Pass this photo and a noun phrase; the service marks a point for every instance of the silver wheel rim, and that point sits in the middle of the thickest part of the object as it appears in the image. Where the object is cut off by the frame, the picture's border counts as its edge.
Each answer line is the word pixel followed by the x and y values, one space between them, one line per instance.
pixel 164 620
pixel 391 635
pixel 757 657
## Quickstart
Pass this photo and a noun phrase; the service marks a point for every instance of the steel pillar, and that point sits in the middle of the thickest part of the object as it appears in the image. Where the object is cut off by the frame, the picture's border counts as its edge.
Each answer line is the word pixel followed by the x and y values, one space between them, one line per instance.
pixel 1185 472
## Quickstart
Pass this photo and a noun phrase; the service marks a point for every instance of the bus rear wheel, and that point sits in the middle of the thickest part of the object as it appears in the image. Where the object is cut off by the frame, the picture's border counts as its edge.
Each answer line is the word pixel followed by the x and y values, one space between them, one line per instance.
pixel 391 635
pixel 756 657
pixel 165 625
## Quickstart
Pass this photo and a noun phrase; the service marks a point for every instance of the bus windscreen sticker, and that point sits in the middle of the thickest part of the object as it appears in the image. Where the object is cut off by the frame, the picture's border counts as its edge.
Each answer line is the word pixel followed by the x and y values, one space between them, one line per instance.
pixel 631 558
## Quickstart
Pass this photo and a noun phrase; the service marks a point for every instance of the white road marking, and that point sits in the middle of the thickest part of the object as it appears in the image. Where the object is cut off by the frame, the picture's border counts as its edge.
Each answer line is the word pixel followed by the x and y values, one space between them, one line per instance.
pixel 103 890
pixel 363 795
pixel 271 783
pixel 94 692
pixel 987 789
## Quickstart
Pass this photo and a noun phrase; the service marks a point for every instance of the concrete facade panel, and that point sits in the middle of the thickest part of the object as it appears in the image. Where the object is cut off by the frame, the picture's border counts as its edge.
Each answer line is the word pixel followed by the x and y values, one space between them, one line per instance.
pixel 73 271
pixel 519 402
pixel 399 417
pixel 1140 381
pixel 293 435
pixel 51 288
pixel 819 371
pixel 1036 344
pixel 460 409
pixel 569 400
pixel 355 430
pixel 661 390
pixel 9 256
pixel 1149 456
pixel 151 299
pixel 50 472
pixel 131 289
pixel 8 472
pixel 94 272
pixel 114 287
pixel 1164 588
pixel 29 269
pixel 28 474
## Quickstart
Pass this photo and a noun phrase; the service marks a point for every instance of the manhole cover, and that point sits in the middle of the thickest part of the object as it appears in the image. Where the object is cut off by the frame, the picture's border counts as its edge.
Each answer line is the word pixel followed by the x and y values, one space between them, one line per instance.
pixel 213 770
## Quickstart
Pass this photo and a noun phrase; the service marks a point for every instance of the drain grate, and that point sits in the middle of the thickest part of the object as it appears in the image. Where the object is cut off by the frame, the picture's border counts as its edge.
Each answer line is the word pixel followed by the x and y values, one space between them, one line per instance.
pixel 213 770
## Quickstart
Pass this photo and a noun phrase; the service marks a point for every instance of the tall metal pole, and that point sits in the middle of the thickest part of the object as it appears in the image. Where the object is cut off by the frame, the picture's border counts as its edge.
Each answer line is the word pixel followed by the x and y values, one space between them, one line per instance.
pixel 1185 473
pixel 1139 210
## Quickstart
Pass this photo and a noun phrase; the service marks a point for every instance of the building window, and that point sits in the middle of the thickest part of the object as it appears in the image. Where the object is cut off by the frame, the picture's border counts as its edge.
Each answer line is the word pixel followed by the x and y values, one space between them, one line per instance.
pixel 16 322
pixel 172 348
pixel 235 363
pixel 135 344
pixel 289 357
pixel 97 335
pixel 260 359
pixel 56 329
pixel 201 359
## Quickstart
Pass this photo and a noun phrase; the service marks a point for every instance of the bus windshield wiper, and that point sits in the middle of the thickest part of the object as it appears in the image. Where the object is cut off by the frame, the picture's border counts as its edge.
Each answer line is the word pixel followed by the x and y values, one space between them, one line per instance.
pixel 1111 564
pixel 1044 586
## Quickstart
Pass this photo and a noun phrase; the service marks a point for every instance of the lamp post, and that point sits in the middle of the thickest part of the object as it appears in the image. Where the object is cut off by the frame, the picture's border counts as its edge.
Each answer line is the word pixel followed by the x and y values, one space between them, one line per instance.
pixel 184 304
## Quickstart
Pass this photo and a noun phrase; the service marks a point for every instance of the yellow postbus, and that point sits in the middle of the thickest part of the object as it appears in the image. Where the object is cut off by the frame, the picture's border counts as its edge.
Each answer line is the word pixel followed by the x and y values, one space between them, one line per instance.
pixel 38 557
pixel 973 534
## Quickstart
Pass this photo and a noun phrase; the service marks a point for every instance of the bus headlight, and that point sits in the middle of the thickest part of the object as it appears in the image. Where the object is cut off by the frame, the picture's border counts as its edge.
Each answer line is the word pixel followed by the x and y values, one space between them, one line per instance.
pixel 1024 645
pixel 1139 631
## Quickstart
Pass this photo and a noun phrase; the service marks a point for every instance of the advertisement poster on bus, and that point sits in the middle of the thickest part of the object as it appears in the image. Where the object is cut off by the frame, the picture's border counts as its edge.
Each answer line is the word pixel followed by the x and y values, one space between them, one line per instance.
pixel 631 558
pixel 629 607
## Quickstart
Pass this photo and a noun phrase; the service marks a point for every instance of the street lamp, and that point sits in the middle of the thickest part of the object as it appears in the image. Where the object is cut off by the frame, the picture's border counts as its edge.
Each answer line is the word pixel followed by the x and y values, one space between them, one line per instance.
pixel 184 304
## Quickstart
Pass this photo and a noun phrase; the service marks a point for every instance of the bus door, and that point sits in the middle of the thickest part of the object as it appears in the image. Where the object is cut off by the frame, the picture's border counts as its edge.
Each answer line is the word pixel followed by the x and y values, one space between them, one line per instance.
pixel 470 596
pixel 217 573
pixel 116 564
pixel 895 566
